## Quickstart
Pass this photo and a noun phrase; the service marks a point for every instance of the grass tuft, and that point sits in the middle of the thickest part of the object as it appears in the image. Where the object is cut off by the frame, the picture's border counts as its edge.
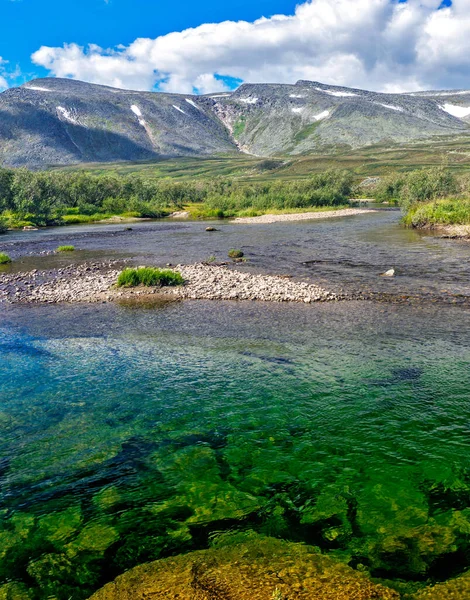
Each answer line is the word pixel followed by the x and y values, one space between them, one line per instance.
pixel 66 249
pixel 148 277
pixel 4 258
pixel 233 253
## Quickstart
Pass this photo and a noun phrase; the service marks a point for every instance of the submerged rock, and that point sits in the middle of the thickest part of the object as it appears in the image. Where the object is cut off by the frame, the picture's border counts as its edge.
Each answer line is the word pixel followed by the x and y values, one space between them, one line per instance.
pixel 455 589
pixel 246 567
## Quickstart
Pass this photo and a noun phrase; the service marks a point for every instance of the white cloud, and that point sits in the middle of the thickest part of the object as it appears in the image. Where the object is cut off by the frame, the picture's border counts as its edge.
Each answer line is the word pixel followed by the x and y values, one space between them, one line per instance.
pixel 3 81
pixel 6 74
pixel 375 44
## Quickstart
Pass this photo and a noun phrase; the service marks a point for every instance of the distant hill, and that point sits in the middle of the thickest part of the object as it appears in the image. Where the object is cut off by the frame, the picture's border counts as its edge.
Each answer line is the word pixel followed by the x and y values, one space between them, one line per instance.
pixel 61 122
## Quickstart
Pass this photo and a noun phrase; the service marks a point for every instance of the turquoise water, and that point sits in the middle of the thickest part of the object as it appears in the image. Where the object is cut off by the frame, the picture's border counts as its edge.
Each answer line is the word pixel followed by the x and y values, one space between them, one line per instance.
pixel 132 434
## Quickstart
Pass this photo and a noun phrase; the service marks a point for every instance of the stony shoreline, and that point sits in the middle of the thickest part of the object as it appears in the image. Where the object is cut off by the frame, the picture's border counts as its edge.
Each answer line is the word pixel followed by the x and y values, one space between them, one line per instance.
pixel 306 216
pixel 94 282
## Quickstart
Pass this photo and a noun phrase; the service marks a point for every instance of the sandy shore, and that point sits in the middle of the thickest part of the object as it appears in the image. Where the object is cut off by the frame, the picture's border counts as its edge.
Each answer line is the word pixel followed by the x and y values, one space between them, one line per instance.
pixel 307 216
pixel 94 282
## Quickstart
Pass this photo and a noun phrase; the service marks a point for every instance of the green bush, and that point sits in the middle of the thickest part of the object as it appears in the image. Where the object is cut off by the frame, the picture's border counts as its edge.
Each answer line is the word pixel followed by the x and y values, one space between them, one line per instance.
pixel 440 212
pixel 422 185
pixel 4 258
pixel 149 277
pixel 66 249
pixel 3 225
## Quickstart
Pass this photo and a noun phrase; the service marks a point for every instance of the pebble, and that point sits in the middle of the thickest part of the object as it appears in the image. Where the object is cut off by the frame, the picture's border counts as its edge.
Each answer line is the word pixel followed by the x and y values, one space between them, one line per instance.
pixel 94 282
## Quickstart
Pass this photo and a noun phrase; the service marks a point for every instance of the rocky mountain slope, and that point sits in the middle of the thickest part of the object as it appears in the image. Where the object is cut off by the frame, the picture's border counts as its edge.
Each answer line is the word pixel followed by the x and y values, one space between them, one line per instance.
pixel 59 121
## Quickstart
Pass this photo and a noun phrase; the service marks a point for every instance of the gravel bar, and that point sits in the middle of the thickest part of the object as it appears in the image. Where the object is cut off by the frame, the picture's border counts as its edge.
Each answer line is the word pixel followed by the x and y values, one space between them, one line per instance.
pixel 95 283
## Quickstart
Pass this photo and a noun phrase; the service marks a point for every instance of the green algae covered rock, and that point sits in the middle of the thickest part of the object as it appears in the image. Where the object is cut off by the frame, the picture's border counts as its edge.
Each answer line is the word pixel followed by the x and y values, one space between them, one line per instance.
pixel 95 537
pixel 14 591
pixel 246 567
pixel 58 527
pixel 455 589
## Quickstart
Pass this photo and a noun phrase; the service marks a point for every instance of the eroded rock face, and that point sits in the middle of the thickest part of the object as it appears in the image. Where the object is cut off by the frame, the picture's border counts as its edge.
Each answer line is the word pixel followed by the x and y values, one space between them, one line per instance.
pixel 246 567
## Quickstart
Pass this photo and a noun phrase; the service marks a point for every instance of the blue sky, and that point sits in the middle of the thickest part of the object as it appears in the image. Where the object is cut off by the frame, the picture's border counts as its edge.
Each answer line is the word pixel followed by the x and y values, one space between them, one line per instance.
pixel 36 23
pixel 211 46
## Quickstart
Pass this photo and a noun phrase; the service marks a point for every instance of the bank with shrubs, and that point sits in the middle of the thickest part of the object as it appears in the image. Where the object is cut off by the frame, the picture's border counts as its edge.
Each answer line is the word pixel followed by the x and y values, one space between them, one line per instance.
pixel 57 198
pixel 429 198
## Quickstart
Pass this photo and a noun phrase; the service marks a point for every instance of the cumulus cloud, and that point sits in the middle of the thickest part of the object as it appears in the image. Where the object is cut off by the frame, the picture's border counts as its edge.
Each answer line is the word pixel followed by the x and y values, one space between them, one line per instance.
pixel 376 44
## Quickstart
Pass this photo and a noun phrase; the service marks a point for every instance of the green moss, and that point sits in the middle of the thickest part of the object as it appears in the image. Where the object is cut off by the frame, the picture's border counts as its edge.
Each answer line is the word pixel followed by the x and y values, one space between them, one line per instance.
pixel 65 249
pixel 4 258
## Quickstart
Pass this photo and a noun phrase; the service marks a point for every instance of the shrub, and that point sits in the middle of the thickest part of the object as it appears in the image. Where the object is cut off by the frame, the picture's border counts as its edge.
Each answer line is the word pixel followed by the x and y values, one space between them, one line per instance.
pixel 441 212
pixel 3 225
pixel 4 258
pixel 149 276
pixel 233 253
pixel 65 248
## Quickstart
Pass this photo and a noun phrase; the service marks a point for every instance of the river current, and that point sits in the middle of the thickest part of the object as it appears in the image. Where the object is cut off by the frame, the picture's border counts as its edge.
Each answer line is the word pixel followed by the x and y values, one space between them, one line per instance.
pixel 131 433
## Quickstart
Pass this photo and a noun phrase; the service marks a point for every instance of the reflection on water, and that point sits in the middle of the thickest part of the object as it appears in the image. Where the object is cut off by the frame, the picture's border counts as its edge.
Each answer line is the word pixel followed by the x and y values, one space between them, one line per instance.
pixel 129 435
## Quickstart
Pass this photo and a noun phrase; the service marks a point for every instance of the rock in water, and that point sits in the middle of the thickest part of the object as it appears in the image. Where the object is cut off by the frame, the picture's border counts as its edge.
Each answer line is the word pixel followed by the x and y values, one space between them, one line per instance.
pixel 246 567
pixel 389 273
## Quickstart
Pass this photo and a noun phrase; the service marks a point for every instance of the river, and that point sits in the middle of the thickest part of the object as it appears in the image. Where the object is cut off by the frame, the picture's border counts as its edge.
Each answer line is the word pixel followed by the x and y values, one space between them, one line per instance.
pixel 133 433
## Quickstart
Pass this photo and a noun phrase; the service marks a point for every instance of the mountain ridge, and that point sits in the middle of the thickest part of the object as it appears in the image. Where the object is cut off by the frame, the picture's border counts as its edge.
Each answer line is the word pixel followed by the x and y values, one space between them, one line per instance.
pixel 55 121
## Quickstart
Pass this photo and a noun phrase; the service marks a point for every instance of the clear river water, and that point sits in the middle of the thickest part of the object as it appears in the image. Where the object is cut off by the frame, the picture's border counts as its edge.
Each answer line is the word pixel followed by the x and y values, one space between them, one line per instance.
pixel 131 433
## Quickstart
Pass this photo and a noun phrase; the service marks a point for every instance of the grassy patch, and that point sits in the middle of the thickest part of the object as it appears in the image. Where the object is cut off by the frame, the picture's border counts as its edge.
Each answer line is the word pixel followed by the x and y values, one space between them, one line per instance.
pixel 448 211
pixel 306 132
pixel 66 249
pixel 77 219
pixel 4 258
pixel 149 277
pixel 239 127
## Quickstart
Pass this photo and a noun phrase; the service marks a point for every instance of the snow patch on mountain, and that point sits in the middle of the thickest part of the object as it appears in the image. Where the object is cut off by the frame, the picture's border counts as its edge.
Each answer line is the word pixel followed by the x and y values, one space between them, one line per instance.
pixel 249 100
pixel 335 93
pixel 138 113
pixel 456 111
pixel 179 109
pixel 37 88
pixel 392 107
pixel 322 115
pixel 192 103
pixel 67 115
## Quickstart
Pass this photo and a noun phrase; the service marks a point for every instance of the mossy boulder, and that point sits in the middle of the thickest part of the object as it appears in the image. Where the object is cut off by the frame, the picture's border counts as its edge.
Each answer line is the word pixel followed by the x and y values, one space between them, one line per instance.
pixel 248 567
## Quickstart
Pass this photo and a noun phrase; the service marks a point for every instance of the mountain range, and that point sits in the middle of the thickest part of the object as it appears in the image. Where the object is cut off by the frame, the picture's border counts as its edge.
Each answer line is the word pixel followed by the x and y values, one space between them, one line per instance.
pixel 55 121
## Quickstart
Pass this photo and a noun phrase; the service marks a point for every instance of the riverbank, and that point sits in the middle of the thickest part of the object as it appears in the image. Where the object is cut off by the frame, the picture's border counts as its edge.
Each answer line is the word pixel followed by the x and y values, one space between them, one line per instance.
pixel 95 282
pixel 305 216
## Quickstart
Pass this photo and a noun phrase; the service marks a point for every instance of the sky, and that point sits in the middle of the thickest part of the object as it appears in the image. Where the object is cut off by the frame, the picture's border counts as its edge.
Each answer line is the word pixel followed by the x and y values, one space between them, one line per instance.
pixel 214 45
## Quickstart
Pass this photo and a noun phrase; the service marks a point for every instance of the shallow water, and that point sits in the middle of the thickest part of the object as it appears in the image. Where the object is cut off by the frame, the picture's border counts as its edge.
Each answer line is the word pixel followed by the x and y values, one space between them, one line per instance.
pixel 130 434
pixel 343 253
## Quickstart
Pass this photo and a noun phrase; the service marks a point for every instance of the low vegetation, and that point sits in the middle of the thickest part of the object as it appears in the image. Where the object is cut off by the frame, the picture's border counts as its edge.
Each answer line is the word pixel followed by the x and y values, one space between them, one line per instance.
pixel 66 249
pixel 428 197
pixel 149 277
pixel 4 258
pixel 56 197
